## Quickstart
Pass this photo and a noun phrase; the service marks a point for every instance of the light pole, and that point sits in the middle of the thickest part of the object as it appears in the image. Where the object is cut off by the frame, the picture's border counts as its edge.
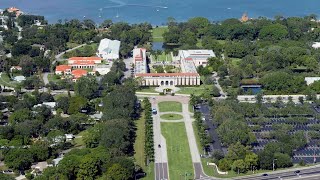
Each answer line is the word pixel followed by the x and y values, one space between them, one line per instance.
pixel 273 163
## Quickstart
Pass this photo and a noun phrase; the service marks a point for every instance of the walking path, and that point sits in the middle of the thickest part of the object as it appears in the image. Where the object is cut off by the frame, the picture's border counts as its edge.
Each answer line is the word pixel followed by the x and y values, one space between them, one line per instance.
pixel 58 56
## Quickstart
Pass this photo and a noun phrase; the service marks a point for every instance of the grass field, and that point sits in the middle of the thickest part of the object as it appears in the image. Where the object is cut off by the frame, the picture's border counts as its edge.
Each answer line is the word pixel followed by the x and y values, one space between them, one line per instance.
pixel 235 61
pixel 82 51
pixel 6 81
pixel 149 172
pixel 53 78
pixel 148 90
pixel 208 170
pixel 171 117
pixel 158 32
pixel 139 143
pixel 179 157
pixel 170 106
pixel 71 45
pixel 78 142
pixel 194 90
pixel 139 149
pixel 162 57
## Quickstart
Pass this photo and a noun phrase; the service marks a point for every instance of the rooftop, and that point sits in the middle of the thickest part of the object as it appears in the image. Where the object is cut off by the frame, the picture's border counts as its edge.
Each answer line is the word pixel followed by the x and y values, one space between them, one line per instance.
pixel 63 68
pixel 78 73
pixel 109 46
pixel 85 58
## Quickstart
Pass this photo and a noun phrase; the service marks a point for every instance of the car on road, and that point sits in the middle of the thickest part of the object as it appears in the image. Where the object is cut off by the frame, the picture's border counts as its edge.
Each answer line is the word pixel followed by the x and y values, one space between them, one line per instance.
pixel 154 111
pixel 297 171
pixel 265 174
pixel 203 118
pixel 8 171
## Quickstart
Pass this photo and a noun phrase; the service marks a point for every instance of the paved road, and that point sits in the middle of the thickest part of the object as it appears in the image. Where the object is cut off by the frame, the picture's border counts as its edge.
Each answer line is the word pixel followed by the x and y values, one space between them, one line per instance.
pixel 161 158
pixel 19 28
pixel 195 155
pixel 58 56
pixel 45 78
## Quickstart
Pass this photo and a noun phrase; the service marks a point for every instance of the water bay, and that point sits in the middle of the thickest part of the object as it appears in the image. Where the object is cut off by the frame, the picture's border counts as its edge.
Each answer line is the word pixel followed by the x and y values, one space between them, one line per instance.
pixel 157 11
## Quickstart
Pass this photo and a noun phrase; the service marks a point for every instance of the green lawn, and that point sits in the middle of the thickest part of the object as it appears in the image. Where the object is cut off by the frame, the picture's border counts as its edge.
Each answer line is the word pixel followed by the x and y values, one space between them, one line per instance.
pixel 78 142
pixel 158 32
pixel 208 170
pixel 149 172
pixel 139 143
pixel 53 78
pixel 199 43
pixel 198 90
pixel 179 157
pixel 83 51
pixel 190 108
pixel 162 57
pixel 235 61
pixel 170 106
pixel 71 45
pixel 139 149
pixel 6 81
pixel 222 42
pixel 148 90
pixel 171 117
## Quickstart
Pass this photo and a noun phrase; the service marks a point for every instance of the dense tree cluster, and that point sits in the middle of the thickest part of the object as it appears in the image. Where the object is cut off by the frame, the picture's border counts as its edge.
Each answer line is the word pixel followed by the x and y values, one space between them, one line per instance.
pixel 149 144
pixel 129 35
pixel 204 138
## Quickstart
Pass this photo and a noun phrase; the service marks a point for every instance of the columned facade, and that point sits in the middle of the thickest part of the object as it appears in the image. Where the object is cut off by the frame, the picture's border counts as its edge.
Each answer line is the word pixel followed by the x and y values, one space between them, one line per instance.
pixel 182 80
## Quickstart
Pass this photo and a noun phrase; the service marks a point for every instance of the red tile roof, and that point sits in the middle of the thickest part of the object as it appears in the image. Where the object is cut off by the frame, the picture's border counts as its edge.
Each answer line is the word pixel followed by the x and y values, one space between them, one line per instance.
pixel 85 58
pixel 166 74
pixel 78 73
pixel 82 62
pixel 63 68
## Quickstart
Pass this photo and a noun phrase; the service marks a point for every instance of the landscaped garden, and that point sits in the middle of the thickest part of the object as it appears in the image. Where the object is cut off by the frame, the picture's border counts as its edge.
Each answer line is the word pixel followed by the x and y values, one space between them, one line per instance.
pixel 170 106
pixel 171 116
pixel 160 57
pixel 178 150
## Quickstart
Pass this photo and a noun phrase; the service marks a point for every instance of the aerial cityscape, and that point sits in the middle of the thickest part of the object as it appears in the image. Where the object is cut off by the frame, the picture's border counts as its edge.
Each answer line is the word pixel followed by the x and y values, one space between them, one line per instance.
pixel 134 91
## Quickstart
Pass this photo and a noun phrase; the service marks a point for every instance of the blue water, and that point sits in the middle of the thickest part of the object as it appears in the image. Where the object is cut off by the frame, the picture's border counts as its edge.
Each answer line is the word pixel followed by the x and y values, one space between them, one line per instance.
pixel 254 90
pixel 154 11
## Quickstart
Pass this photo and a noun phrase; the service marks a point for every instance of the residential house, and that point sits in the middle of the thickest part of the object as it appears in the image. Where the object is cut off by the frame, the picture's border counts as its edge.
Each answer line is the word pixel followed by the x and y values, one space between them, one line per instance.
pixel 15 10
pixel 15 68
pixel 109 49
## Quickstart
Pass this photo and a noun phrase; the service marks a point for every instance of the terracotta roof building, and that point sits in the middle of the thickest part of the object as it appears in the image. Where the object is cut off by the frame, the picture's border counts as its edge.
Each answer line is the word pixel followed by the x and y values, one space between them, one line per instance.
pixel 63 69
pixel 78 73
pixel 84 62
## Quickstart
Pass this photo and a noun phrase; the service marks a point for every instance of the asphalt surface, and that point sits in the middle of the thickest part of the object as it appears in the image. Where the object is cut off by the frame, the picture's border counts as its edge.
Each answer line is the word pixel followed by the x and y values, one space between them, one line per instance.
pixel 161 172
pixel 205 111
pixel 286 175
